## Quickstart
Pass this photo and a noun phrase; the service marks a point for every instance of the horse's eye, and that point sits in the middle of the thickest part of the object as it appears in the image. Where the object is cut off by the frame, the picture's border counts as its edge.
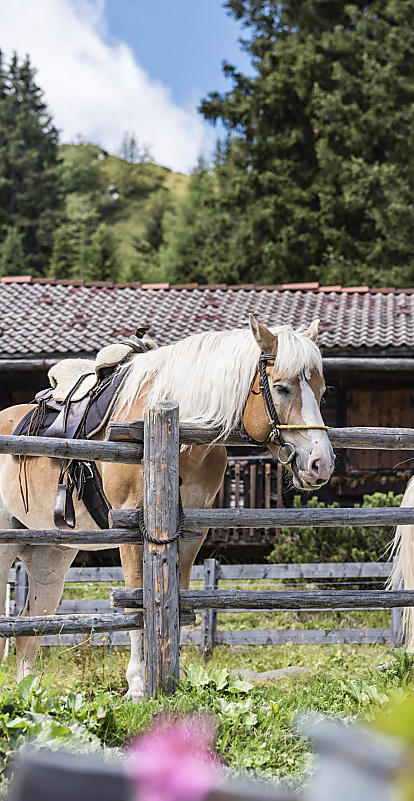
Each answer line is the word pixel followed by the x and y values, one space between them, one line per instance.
pixel 281 389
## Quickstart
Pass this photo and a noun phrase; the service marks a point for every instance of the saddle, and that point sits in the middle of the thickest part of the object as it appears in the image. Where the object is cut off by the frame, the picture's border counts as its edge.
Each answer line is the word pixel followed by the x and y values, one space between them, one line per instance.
pixel 77 405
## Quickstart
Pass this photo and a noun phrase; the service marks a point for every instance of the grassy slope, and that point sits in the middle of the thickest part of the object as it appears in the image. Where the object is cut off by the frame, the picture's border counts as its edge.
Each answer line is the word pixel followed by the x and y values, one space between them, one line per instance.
pixel 136 185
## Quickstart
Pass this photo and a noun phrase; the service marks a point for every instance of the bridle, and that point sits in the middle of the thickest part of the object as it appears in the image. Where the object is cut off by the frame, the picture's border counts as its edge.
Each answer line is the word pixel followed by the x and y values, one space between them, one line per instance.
pixel 275 436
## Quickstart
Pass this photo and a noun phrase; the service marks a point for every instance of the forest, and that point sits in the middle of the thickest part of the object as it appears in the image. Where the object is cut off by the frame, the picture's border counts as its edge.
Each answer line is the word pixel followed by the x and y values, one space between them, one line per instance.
pixel 314 179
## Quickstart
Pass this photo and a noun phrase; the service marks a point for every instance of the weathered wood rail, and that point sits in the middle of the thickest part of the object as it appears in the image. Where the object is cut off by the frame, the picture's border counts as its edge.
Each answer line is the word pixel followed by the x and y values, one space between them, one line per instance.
pixel 160 599
pixel 359 438
pixel 258 518
pixel 274 599
pixel 208 635
pixel 103 536
pixel 57 448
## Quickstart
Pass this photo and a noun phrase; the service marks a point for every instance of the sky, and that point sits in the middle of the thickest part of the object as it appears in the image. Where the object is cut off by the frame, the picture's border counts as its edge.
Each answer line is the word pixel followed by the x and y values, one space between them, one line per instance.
pixel 140 66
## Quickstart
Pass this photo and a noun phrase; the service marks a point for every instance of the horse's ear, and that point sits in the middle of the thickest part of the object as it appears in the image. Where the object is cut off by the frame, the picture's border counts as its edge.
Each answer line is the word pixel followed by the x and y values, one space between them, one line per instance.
pixel 313 330
pixel 266 341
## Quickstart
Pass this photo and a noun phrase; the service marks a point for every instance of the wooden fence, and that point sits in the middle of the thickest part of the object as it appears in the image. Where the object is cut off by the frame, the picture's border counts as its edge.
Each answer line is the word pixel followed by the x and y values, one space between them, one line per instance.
pixel 160 602
pixel 210 573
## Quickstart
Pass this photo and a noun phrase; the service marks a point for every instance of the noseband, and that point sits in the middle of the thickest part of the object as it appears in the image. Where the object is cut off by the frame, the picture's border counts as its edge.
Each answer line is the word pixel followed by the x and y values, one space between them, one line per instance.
pixel 275 436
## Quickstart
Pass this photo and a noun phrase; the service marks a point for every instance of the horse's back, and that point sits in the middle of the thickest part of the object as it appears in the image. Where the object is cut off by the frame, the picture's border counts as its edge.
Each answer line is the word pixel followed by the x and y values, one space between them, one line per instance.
pixel 10 417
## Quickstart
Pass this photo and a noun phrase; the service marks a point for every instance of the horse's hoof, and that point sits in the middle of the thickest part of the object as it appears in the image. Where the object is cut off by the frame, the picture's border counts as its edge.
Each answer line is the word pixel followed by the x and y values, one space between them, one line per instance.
pixel 135 694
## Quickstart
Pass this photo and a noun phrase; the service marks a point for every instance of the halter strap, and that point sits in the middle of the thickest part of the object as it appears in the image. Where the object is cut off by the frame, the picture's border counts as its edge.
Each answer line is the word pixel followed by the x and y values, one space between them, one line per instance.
pixel 276 426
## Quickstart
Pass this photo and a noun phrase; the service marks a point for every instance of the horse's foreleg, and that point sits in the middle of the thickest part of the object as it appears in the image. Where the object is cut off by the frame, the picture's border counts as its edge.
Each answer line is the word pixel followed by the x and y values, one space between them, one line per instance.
pixel 47 566
pixel 131 558
pixel 8 553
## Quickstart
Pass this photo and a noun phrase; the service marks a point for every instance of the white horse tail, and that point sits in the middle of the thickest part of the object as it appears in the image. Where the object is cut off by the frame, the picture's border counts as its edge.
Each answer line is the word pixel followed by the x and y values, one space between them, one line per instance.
pixel 402 575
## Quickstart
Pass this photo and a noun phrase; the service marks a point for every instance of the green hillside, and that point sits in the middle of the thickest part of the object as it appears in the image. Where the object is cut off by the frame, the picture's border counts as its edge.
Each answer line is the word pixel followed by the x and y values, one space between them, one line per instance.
pixel 106 196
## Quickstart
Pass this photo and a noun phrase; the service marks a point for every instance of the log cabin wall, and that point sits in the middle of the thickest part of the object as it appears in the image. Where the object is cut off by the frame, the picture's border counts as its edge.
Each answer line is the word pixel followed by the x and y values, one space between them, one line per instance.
pixel 371 399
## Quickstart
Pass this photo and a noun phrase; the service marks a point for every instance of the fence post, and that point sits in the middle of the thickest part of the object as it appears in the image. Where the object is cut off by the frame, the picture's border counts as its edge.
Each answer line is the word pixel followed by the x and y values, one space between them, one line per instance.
pixel 21 588
pixel 161 570
pixel 397 613
pixel 209 616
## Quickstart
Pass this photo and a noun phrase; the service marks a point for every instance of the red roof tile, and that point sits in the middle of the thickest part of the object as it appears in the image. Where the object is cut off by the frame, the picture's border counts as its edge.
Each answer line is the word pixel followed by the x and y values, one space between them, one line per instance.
pixel 40 316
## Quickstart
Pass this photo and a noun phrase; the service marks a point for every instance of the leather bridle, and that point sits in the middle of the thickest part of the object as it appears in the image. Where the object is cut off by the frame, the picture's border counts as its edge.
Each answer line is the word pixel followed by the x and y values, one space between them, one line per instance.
pixel 275 437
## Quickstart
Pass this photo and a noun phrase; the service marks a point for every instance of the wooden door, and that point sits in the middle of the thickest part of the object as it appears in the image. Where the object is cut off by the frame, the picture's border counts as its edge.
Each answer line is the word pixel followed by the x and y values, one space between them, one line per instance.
pixel 391 408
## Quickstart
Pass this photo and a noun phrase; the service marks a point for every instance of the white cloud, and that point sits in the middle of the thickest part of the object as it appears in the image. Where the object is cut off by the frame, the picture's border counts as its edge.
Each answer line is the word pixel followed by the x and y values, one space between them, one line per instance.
pixel 95 88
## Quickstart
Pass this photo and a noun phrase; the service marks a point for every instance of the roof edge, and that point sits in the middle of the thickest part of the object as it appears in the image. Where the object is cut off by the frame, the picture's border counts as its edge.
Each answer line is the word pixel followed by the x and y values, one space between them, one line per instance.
pixel 310 286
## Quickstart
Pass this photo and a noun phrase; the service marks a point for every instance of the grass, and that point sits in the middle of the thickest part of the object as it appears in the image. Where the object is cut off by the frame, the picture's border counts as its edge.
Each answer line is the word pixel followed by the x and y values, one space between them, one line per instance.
pixel 254 724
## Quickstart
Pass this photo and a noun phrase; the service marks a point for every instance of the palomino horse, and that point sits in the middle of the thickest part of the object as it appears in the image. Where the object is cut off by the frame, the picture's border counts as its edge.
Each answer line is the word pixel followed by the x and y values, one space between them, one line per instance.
pixel 402 576
pixel 215 379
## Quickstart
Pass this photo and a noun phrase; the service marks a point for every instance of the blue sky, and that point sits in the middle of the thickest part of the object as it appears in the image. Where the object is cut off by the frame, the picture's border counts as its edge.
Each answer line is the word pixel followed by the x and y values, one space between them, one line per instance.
pixel 142 66
pixel 182 43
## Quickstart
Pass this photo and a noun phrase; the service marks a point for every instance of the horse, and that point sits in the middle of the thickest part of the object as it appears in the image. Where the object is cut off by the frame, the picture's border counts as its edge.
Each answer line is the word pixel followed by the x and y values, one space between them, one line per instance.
pixel 263 380
pixel 402 574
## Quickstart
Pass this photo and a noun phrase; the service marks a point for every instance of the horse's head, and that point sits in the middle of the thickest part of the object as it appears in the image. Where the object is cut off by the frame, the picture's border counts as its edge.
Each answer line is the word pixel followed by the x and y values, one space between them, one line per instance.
pixel 291 382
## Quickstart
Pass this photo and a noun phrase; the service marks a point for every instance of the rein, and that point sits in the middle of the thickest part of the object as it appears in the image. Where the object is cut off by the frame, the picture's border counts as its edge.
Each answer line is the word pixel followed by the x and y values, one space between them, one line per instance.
pixel 276 426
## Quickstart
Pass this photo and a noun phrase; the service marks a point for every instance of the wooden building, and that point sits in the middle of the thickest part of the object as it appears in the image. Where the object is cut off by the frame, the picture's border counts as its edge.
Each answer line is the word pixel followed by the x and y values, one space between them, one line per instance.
pixel 367 339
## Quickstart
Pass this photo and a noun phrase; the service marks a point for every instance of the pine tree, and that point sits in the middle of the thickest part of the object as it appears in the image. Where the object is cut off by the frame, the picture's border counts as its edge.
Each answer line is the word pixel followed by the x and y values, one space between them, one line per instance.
pixel 320 167
pixel 29 185
pixel 12 261
pixel 65 254
pixel 101 255
pixel 197 243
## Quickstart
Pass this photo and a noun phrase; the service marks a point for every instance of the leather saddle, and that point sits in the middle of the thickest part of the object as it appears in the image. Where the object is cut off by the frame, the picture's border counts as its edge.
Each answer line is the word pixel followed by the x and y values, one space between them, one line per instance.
pixel 79 410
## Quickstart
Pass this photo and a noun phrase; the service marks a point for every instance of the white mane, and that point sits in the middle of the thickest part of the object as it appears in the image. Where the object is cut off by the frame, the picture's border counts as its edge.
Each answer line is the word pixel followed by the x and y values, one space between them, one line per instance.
pixel 210 374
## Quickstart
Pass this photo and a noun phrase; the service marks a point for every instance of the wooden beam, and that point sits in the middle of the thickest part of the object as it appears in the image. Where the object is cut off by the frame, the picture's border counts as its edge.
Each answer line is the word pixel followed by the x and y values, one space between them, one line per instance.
pixel 59 448
pixel 271 599
pixel 103 536
pixel 297 636
pixel 36 364
pixel 367 364
pixel 30 536
pixel 359 438
pixel 311 570
pixel 362 438
pixel 69 624
pixel 160 592
pixel 292 518
pixel 209 616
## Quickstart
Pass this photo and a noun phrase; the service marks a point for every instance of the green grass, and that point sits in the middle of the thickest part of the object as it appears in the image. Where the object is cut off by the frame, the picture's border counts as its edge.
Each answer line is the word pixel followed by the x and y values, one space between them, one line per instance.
pixel 89 174
pixel 254 724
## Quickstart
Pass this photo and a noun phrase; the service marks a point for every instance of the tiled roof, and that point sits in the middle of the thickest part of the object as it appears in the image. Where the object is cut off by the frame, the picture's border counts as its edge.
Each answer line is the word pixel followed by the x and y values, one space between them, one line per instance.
pixel 41 317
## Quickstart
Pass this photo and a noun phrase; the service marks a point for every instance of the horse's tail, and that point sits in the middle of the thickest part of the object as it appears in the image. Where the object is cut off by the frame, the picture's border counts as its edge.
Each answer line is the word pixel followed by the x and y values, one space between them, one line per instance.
pixel 402 575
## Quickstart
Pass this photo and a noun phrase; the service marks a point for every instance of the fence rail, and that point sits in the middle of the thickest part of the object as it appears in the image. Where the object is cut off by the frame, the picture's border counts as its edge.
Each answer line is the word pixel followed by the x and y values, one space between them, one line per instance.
pixel 259 518
pixel 359 438
pixel 161 434
pixel 211 572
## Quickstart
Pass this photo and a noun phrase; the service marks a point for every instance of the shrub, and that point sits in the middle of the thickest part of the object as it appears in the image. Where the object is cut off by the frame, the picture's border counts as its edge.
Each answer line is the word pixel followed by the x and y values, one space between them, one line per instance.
pixel 339 543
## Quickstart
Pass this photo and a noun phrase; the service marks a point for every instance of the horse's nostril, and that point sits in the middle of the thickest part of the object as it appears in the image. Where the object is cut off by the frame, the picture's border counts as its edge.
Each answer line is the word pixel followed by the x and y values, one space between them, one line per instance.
pixel 315 466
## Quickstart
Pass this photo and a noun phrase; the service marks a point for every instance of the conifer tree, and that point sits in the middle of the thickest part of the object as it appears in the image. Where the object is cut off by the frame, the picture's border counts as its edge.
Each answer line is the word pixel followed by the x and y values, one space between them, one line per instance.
pixel 320 169
pixel 29 185
pixel 101 255
pixel 12 260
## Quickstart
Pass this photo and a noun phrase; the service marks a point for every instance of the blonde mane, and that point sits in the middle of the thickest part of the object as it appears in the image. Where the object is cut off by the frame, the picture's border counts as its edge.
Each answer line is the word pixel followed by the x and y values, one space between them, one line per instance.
pixel 210 374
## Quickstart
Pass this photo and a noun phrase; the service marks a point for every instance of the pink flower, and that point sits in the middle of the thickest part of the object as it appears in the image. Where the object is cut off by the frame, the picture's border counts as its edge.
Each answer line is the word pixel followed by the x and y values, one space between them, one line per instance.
pixel 174 761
